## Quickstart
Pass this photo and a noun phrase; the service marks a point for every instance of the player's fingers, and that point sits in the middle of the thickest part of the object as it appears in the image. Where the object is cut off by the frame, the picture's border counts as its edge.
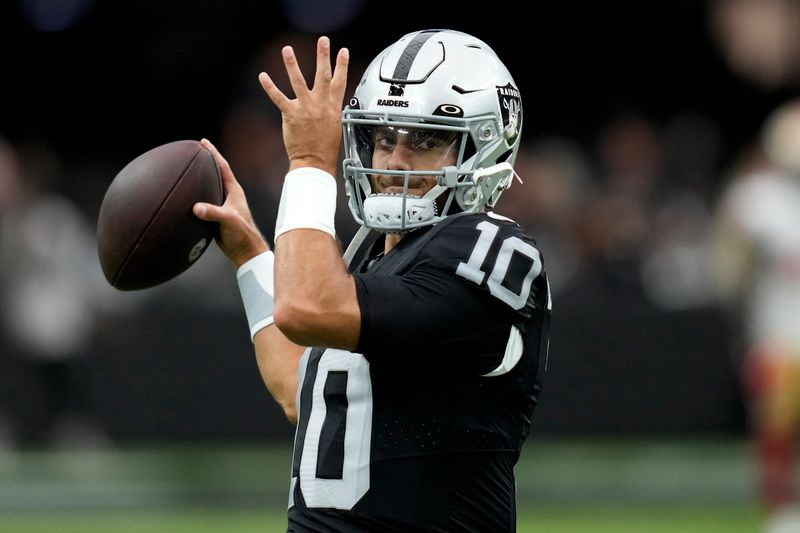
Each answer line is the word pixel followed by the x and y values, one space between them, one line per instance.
pixel 339 81
pixel 296 77
pixel 323 75
pixel 228 179
pixel 276 95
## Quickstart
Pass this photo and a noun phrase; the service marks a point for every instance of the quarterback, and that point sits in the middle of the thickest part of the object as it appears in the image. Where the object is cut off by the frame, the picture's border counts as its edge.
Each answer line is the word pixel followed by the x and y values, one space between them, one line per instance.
pixel 412 363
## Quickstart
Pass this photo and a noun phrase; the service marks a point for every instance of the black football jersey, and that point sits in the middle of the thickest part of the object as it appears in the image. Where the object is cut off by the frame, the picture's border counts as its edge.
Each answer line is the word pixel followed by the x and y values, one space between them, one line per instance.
pixel 419 428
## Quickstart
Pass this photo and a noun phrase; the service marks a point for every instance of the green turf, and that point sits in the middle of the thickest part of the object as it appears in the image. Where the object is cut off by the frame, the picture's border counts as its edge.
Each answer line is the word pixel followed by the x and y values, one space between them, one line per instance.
pixel 533 519
pixel 613 518
pixel 175 521
pixel 564 485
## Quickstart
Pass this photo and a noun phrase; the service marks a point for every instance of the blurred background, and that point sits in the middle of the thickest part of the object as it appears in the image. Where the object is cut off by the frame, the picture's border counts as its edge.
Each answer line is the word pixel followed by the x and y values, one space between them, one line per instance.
pixel 145 410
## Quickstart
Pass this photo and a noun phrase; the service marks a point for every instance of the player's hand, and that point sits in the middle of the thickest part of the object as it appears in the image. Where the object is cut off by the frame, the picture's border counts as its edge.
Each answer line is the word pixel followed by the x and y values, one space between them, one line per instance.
pixel 239 237
pixel 312 121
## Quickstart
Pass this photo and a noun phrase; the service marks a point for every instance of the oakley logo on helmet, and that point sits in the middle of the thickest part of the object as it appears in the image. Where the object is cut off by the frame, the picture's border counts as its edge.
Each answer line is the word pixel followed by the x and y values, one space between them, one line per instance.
pixel 449 110
pixel 511 109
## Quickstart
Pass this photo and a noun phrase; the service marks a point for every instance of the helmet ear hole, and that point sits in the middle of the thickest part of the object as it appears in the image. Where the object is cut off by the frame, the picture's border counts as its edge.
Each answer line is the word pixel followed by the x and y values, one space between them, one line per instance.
pixel 468 198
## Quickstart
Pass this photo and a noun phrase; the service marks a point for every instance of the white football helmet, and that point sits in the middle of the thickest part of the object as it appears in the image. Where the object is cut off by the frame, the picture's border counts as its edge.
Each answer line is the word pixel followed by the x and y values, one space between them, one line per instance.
pixel 441 92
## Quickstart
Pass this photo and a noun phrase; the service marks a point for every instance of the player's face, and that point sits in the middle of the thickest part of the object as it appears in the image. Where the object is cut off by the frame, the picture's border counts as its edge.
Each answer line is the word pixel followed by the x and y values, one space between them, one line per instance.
pixel 397 148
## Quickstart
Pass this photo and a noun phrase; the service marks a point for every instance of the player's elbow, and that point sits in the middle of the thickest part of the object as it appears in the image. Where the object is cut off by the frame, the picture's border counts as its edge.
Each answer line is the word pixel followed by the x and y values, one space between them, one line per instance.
pixel 296 322
pixel 287 405
pixel 318 323
pixel 290 411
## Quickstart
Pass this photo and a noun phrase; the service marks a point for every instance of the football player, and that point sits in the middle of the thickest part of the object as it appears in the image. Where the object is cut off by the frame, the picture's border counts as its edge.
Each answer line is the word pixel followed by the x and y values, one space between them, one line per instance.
pixel 411 366
pixel 758 258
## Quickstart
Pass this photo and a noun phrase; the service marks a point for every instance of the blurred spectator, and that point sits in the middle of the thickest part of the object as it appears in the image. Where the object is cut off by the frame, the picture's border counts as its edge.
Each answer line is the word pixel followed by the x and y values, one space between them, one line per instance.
pixel 759 39
pixel 693 150
pixel 556 188
pixel 636 293
pixel 757 261
pixel 618 223
pixel 51 289
pixel 675 268
pixel 648 225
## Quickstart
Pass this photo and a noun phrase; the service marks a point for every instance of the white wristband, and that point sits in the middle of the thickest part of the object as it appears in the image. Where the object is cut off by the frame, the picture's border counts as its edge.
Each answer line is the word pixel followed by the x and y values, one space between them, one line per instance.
pixel 257 286
pixel 308 200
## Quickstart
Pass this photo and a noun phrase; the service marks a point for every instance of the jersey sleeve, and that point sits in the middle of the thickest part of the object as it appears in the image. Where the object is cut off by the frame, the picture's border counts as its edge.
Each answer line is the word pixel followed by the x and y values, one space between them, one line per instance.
pixel 459 298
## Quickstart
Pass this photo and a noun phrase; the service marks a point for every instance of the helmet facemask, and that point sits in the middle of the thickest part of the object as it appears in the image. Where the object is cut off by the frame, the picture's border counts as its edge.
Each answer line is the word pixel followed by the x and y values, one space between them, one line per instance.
pixel 410 171
pixel 396 168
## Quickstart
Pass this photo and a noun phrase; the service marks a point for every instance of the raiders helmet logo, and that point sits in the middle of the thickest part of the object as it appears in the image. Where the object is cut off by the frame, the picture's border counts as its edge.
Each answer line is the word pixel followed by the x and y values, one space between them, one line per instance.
pixel 511 110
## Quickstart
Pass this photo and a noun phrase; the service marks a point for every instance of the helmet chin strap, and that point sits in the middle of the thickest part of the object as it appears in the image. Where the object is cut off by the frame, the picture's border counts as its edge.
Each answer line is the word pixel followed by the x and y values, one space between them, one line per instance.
pixel 493 180
pixel 486 182
pixel 493 170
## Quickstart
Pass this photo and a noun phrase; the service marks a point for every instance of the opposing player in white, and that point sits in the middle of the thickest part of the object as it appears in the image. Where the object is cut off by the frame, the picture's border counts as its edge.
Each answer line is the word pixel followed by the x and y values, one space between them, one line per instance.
pixel 758 269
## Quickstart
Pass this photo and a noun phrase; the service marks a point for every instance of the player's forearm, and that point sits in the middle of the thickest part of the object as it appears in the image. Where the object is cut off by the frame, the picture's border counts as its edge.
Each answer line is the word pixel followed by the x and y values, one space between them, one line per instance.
pixel 278 359
pixel 315 299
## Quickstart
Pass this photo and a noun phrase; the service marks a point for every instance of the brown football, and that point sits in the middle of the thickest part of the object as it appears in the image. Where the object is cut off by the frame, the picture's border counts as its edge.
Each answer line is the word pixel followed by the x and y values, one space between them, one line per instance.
pixel 146 231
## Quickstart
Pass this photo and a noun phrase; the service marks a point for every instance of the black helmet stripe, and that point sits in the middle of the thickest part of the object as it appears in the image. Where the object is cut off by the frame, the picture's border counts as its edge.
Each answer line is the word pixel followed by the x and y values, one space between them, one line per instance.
pixel 403 66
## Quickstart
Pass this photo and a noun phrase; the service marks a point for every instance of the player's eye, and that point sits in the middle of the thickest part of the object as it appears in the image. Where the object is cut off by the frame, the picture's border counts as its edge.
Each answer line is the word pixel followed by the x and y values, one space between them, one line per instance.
pixel 385 139
pixel 426 140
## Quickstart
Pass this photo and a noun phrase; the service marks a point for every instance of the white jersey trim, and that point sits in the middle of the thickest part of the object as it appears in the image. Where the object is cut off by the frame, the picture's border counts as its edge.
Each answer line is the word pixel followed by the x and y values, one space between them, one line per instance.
pixel 511 357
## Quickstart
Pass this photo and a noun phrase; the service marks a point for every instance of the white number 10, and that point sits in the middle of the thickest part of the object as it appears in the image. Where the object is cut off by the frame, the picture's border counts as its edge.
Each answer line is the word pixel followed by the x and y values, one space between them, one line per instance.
pixel 471 270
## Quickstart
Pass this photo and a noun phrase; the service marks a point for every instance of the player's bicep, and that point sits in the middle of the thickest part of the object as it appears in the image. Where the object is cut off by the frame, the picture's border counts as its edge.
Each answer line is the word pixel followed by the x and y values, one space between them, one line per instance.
pixel 429 311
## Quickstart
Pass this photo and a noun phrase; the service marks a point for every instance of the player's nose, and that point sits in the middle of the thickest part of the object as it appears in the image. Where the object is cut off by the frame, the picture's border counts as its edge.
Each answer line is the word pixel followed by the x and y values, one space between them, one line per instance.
pixel 400 158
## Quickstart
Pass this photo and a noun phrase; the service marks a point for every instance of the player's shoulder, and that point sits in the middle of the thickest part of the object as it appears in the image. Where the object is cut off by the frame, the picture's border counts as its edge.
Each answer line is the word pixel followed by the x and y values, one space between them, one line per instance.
pixel 470 218
pixel 488 251
pixel 457 238
pixel 463 230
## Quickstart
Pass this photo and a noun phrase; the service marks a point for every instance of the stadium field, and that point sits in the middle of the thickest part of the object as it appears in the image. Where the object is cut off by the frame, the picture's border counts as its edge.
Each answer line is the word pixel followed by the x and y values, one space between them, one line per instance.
pixel 575 486
pixel 545 519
